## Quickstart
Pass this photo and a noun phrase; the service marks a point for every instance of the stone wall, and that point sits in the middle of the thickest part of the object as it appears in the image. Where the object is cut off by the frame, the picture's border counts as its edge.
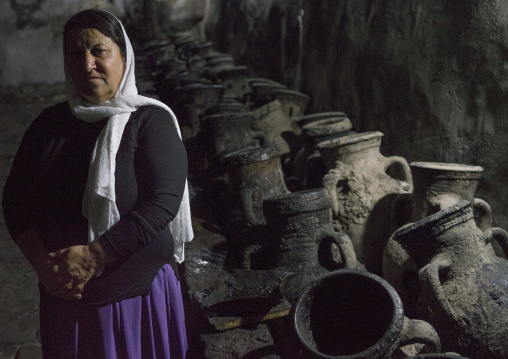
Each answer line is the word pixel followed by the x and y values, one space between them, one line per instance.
pixel 431 75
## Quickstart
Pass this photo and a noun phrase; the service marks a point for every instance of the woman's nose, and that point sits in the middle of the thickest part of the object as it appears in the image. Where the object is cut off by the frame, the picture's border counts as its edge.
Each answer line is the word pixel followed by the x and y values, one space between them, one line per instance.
pixel 90 62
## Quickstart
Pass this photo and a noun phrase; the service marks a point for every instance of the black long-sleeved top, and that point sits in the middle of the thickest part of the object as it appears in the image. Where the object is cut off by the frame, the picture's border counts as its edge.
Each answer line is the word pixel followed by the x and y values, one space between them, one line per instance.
pixel 46 184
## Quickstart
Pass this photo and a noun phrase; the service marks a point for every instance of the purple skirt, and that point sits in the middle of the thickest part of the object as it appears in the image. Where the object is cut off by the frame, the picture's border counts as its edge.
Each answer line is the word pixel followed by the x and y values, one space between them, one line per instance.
pixel 151 326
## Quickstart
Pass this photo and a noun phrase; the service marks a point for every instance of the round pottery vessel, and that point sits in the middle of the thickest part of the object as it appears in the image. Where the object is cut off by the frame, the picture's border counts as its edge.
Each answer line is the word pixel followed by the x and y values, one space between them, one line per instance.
pixel 301 226
pixel 436 186
pixel 260 90
pixel 254 175
pixel 350 314
pixel 464 290
pixel 308 165
pixel 227 105
pixel 362 191
pixel 304 241
pixel 278 127
pixel 234 80
pixel 192 102
pixel 293 102
pixel 229 132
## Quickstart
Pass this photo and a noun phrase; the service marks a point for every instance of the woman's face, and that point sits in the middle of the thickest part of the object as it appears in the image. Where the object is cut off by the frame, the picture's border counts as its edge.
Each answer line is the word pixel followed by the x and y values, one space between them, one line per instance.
pixel 94 63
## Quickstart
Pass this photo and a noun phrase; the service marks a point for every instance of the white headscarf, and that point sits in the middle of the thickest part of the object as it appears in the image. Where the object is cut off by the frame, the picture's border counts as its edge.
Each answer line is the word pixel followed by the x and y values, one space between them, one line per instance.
pixel 99 204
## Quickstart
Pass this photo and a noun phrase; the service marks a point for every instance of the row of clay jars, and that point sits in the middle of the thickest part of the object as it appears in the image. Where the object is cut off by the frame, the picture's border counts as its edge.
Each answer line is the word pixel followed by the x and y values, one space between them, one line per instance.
pixel 464 290
pixel 436 187
pixel 275 108
pixel 303 233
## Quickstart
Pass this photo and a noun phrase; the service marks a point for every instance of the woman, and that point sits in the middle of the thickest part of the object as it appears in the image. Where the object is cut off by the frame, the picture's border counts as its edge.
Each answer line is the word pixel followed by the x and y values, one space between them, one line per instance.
pixel 97 201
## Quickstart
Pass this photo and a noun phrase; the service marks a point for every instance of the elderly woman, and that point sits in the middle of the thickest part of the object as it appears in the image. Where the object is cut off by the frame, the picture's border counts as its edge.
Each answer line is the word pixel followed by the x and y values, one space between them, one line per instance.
pixel 97 201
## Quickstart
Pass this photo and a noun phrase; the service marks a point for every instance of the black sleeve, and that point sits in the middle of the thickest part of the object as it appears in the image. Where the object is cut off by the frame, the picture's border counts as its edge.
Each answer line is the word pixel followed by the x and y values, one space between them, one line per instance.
pixel 160 168
pixel 18 192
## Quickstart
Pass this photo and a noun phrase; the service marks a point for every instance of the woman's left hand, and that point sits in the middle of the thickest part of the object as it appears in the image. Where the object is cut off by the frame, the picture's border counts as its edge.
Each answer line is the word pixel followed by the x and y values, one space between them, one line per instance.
pixel 76 266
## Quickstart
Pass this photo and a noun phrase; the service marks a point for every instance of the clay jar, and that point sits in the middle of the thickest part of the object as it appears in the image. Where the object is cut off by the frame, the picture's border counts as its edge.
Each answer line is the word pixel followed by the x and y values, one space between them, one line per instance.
pixel 436 186
pixel 293 102
pixel 278 127
pixel 308 165
pixel 234 80
pixel 260 90
pixel 192 102
pixel 227 105
pixel 350 314
pixel 254 175
pixel 229 132
pixel 361 191
pixel 464 289
pixel 303 239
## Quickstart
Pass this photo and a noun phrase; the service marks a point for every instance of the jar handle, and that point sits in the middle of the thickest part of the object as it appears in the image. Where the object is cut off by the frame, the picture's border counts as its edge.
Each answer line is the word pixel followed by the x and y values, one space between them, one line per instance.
pixel 330 181
pixel 406 170
pixel 259 135
pixel 346 249
pixel 248 206
pixel 431 285
pixel 415 331
pixel 484 213
pixel 498 234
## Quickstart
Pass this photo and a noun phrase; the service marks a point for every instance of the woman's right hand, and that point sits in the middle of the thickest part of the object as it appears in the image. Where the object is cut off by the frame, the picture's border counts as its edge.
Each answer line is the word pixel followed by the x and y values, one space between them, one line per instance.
pixel 45 265
pixel 49 274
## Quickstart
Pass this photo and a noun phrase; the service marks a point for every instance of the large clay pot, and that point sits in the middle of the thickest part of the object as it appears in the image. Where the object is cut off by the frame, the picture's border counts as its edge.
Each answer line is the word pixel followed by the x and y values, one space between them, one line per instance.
pixel 191 103
pixel 229 132
pixel 278 127
pixel 308 165
pixel 227 105
pixel 260 89
pixel 218 63
pixel 350 314
pixel 234 80
pixel 254 175
pixel 464 288
pixel 302 239
pixel 362 191
pixel 436 186
pixel 222 133
pixel 293 102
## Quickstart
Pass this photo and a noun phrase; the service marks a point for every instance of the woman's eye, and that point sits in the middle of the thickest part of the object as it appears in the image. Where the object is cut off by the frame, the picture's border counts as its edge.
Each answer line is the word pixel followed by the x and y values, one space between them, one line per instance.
pixel 99 52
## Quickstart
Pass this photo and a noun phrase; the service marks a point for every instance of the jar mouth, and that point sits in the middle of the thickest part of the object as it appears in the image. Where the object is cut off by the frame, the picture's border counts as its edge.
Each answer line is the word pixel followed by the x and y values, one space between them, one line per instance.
pixel 345 296
pixel 445 170
pixel 307 119
pixel 327 126
pixel 230 116
pixel 233 71
pixel 252 155
pixel 289 94
pixel 436 223
pixel 298 202
pixel 367 139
